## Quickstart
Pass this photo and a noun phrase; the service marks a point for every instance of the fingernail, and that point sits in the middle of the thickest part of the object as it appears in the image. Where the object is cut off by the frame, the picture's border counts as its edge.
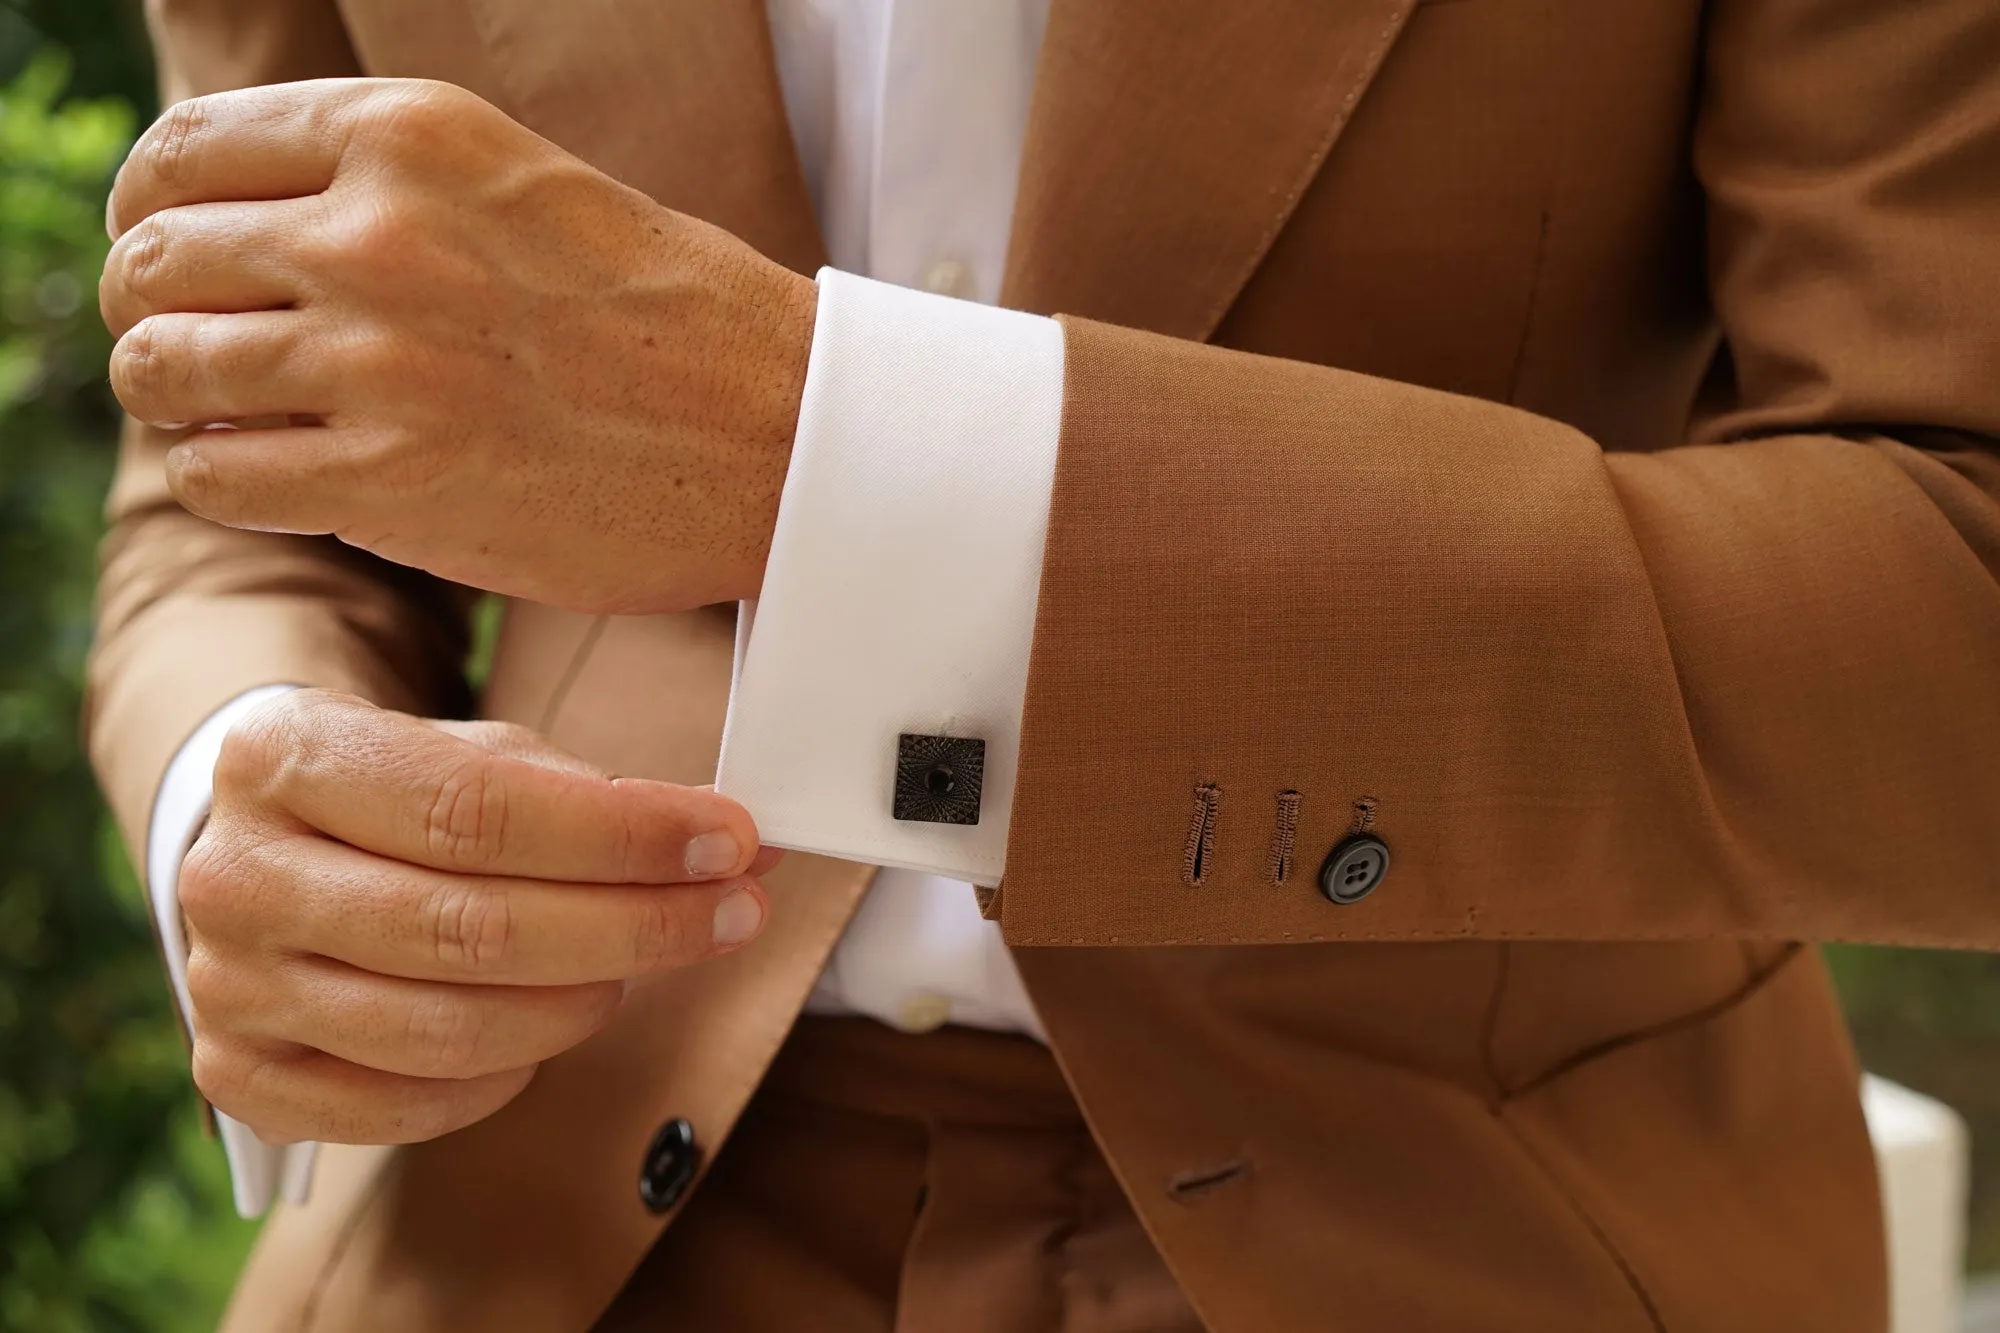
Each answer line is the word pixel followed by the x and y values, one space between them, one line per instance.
pixel 737 917
pixel 712 854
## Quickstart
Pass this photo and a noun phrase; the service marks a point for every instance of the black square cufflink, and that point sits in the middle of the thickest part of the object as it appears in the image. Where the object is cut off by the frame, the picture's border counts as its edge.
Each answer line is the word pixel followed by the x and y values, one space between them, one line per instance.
pixel 938 779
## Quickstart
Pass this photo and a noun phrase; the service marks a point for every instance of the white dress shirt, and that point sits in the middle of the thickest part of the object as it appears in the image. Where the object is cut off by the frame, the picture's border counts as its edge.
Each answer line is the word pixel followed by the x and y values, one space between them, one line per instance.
pixel 900 593
pixel 901 589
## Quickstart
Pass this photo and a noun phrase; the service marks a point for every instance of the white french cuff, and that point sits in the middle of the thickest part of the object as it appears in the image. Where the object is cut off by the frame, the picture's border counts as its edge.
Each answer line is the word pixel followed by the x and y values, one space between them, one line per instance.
pixel 904 572
pixel 258 1171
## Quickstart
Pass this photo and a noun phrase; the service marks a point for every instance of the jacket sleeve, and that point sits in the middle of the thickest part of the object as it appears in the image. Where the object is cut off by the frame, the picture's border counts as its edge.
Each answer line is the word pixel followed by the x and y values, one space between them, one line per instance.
pixel 191 614
pixel 1745 687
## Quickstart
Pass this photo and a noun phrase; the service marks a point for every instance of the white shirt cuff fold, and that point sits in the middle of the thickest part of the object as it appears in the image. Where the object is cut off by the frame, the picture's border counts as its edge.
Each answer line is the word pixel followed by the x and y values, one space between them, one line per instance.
pixel 904 572
pixel 258 1171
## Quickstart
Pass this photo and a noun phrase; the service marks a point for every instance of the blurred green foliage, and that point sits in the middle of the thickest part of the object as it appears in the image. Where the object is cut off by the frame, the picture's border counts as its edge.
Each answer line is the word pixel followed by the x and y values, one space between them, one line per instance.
pixel 103 40
pixel 113 1207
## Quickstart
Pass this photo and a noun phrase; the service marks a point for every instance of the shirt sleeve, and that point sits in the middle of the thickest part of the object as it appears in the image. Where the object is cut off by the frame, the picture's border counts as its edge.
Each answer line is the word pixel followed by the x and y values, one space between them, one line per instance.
pixel 899 599
pixel 258 1171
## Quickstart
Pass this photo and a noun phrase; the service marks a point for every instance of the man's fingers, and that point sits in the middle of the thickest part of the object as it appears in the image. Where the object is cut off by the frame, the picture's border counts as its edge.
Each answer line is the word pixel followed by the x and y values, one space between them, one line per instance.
pixel 281 141
pixel 278 141
pixel 279 478
pixel 309 895
pixel 402 920
pixel 213 259
pixel 293 1094
pixel 422 1029
pixel 178 369
pixel 387 783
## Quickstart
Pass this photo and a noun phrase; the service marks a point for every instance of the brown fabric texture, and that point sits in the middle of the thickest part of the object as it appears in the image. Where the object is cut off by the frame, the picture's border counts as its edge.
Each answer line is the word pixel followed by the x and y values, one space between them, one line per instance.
pixel 1599 689
pixel 1566 428
pixel 883 1183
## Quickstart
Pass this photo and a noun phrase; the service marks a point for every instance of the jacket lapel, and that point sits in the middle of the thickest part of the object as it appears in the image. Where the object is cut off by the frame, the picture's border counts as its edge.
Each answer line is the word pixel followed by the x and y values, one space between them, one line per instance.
pixel 680 100
pixel 1169 140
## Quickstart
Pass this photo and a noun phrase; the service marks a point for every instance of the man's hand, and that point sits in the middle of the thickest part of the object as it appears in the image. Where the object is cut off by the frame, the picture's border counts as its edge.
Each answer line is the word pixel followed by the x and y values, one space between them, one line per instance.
pixel 393 921
pixel 497 363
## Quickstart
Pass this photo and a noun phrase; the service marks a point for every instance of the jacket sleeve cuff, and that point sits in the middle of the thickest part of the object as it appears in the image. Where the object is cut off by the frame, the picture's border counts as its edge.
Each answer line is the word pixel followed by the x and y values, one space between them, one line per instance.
pixel 257 1170
pixel 904 571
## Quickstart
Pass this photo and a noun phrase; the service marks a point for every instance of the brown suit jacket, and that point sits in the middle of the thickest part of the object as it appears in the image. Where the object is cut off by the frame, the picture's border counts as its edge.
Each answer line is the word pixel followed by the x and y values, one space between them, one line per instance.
pixel 1558 434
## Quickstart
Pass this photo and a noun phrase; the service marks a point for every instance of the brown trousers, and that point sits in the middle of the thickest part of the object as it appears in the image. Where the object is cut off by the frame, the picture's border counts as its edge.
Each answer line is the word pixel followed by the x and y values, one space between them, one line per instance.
pixel 885 1183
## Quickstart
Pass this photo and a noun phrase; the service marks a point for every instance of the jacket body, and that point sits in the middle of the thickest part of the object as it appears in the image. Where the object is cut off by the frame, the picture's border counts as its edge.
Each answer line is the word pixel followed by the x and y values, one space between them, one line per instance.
pixel 1556 436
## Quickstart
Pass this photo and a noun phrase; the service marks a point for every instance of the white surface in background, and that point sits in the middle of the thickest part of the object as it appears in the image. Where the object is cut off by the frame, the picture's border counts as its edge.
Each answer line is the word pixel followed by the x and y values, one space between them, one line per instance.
pixel 1921 1154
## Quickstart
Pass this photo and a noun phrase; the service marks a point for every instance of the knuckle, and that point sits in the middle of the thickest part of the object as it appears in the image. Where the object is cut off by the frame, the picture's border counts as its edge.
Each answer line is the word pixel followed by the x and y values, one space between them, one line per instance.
pixel 661 938
pixel 202 889
pixel 144 259
pixel 419 114
pixel 599 1006
pixel 375 357
pixel 212 1068
pixel 213 349
pixel 448 1035
pixel 417 462
pixel 361 244
pixel 259 755
pixel 465 816
pixel 427 1114
pixel 369 240
pixel 235 883
pixel 138 372
pixel 224 1073
pixel 177 138
pixel 209 881
pixel 381 231
pixel 217 989
pixel 292 354
pixel 492 735
pixel 435 1112
pixel 643 850
pixel 320 250
pixel 472 928
pixel 196 483
pixel 509 739
pixel 207 984
pixel 311 713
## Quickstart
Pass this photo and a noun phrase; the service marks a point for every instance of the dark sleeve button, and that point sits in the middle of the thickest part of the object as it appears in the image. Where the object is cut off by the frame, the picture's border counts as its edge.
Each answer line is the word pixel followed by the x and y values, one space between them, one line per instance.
pixel 1353 869
pixel 672 1159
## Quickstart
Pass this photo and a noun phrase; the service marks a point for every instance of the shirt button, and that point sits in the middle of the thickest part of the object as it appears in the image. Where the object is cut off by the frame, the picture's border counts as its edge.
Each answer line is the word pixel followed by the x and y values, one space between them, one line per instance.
pixel 923 1013
pixel 948 277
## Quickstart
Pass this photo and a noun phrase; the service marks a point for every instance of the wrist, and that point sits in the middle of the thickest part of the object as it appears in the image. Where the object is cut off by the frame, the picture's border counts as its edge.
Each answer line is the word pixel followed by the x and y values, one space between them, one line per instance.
pixel 782 345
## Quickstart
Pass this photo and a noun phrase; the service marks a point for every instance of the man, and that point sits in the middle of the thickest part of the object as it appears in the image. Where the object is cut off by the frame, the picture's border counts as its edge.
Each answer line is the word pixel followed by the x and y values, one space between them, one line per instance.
pixel 1501 545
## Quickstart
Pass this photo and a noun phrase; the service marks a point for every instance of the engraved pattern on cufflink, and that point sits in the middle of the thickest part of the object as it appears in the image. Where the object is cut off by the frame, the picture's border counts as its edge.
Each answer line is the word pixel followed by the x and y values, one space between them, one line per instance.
pixel 938 779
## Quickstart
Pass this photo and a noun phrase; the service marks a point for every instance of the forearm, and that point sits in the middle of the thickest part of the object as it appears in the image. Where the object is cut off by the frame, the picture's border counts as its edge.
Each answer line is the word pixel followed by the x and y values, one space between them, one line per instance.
pixel 1742 687
pixel 1581 694
pixel 1729 689
pixel 202 46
